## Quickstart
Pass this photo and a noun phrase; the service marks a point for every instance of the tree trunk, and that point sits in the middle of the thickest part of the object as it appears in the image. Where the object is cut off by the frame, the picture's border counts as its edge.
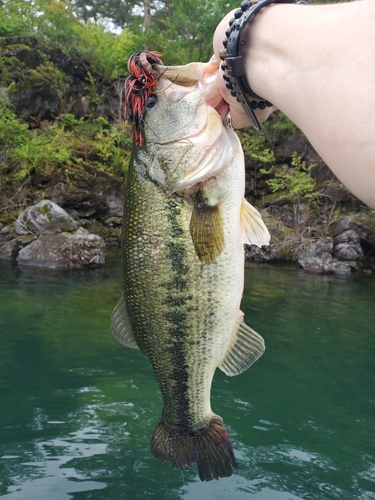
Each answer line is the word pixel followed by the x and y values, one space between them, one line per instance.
pixel 147 12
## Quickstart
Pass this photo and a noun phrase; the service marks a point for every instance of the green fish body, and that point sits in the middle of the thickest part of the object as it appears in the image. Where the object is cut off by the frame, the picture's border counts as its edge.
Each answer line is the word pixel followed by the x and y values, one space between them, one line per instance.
pixel 183 234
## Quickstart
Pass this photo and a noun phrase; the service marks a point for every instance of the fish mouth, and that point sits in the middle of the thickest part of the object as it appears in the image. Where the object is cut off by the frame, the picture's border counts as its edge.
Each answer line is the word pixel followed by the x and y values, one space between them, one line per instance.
pixel 149 76
pixel 193 74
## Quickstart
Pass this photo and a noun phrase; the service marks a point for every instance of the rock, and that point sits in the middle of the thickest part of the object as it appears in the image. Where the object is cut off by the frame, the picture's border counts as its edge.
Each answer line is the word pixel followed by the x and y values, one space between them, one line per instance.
pixel 40 93
pixel 8 243
pixel 112 242
pixel 113 222
pixel 344 224
pixel 347 246
pixel 90 194
pixel 108 233
pixel 25 239
pixel 115 204
pixel 85 223
pixel 363 224
pixel 291 144
pixel 282 246
pixel 64 250
pixel 282 211
pixel 36 104
pixel 30 41
pixel 48 81
pixel 317 258
pixel 44 218
pixel 270 253
pixel 8 250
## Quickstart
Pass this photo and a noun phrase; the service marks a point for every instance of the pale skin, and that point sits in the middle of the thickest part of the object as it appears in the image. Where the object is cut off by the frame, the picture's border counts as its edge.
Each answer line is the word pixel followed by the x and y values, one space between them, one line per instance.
pixel 316 63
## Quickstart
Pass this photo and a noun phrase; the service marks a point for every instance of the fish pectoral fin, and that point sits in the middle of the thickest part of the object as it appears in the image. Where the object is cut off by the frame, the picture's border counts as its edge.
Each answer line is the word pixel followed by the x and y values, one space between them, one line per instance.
pixel 120 324
pixel 246 347
pixel 206 228
pixel 254 229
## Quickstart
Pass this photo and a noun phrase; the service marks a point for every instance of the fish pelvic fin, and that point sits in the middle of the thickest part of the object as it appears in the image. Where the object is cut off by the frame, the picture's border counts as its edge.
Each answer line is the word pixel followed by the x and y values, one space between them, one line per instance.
pixel 246 347
pixel 254 229
pixel 120 324
pixel 209 448
pixel 206 228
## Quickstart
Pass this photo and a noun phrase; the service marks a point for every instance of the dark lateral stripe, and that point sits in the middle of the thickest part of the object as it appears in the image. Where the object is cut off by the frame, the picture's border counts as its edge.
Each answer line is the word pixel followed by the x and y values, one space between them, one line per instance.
pixel 177 320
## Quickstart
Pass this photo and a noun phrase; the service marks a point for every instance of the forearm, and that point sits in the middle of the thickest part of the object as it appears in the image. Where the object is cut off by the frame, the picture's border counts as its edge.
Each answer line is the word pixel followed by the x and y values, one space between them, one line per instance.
pixel 317 65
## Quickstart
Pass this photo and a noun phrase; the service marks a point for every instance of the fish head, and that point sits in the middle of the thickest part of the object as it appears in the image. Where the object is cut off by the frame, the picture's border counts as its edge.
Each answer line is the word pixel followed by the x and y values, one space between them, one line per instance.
pixel 180 138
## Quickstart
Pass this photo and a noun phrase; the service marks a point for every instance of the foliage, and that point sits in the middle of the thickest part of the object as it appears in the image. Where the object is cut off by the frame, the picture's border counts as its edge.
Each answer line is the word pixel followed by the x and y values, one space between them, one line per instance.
pixel 53 22
pixel 15 17
pixel 46 74
pixel 121 13
pixel 256 146
pixel 107 52
pixel 67 143
pixel 181 31
pixel 12 131
pixel 295 181
pixel 277 127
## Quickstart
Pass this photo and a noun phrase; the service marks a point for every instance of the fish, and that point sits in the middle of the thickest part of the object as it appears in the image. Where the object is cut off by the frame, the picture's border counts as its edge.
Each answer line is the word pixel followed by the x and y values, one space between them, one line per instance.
pixel 185 224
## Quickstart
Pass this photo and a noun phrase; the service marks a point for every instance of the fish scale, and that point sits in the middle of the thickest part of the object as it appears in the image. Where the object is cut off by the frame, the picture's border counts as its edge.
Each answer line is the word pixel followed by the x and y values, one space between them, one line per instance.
pixel 185 222
pixel 168 302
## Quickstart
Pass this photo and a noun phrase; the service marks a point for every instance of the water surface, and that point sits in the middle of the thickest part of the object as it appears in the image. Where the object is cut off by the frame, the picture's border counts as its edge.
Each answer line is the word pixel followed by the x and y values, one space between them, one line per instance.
pixel 77 410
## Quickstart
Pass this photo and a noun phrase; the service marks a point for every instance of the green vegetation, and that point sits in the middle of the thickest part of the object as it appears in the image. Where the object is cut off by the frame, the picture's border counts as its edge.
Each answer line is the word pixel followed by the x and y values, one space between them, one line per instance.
pixel 101 35
pixel 294 181
pixel 68 146
pixel 181 31
pixel 66 143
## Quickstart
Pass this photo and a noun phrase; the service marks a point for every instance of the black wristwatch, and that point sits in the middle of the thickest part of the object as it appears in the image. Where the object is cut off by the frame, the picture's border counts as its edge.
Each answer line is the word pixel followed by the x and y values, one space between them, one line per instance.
pixel 233 64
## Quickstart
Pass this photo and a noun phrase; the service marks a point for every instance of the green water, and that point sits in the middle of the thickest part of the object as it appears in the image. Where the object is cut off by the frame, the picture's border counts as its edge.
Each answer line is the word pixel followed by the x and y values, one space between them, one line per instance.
pixel 77 410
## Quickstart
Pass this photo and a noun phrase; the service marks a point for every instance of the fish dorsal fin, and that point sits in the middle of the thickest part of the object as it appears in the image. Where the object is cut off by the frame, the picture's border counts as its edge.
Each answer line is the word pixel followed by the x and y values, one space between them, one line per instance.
pixel 120 324
pixel 206 228
pixel 254 229
pixel 245 348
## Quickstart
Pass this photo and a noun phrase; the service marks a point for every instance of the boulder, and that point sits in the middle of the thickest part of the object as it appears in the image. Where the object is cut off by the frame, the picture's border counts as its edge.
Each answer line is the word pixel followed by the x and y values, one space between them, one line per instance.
pixel 347 246
pixel 317 258
pixel 64 250
pixel 95 194
pixel 44 218
pixel 8 243
pixel 8 250
pixel 344 224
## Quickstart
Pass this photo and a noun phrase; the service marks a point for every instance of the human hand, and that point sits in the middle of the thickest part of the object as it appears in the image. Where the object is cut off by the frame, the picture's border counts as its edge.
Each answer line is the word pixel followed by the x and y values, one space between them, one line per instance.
pixel 229 103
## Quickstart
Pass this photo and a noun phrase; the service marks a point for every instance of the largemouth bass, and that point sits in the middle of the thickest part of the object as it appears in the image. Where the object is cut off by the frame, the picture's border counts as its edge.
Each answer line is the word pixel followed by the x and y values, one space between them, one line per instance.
pixel 185 223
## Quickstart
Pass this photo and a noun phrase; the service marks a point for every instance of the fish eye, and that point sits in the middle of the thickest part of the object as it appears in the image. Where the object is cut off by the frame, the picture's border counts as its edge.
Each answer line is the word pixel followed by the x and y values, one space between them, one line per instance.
pixel 151 101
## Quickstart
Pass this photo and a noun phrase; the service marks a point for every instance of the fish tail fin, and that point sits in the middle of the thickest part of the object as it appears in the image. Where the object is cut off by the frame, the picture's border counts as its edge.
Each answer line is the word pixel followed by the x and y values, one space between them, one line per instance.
pixel 209 448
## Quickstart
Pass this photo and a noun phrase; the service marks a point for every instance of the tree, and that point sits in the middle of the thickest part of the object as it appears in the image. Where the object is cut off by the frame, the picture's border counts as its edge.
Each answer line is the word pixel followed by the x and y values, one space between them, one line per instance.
pixel 119 13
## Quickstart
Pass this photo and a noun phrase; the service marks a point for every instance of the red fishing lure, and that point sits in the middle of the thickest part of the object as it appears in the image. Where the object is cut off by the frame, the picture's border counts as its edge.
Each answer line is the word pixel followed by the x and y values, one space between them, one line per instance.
pixel 139 86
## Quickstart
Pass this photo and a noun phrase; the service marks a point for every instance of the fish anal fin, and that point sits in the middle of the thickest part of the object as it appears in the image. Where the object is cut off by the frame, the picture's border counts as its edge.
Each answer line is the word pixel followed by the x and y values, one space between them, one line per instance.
pixel 209 448
pixel 206 228
pixel 120 324
pixel 254 229
pixel 245 348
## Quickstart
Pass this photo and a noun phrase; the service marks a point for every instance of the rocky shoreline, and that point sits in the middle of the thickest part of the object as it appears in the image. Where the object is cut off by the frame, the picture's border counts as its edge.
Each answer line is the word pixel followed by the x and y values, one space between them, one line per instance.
pixel 46 235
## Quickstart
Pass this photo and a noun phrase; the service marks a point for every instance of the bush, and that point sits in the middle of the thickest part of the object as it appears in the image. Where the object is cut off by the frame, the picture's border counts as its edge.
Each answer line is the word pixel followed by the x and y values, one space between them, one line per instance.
pixel 295 180
pixel 68 142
